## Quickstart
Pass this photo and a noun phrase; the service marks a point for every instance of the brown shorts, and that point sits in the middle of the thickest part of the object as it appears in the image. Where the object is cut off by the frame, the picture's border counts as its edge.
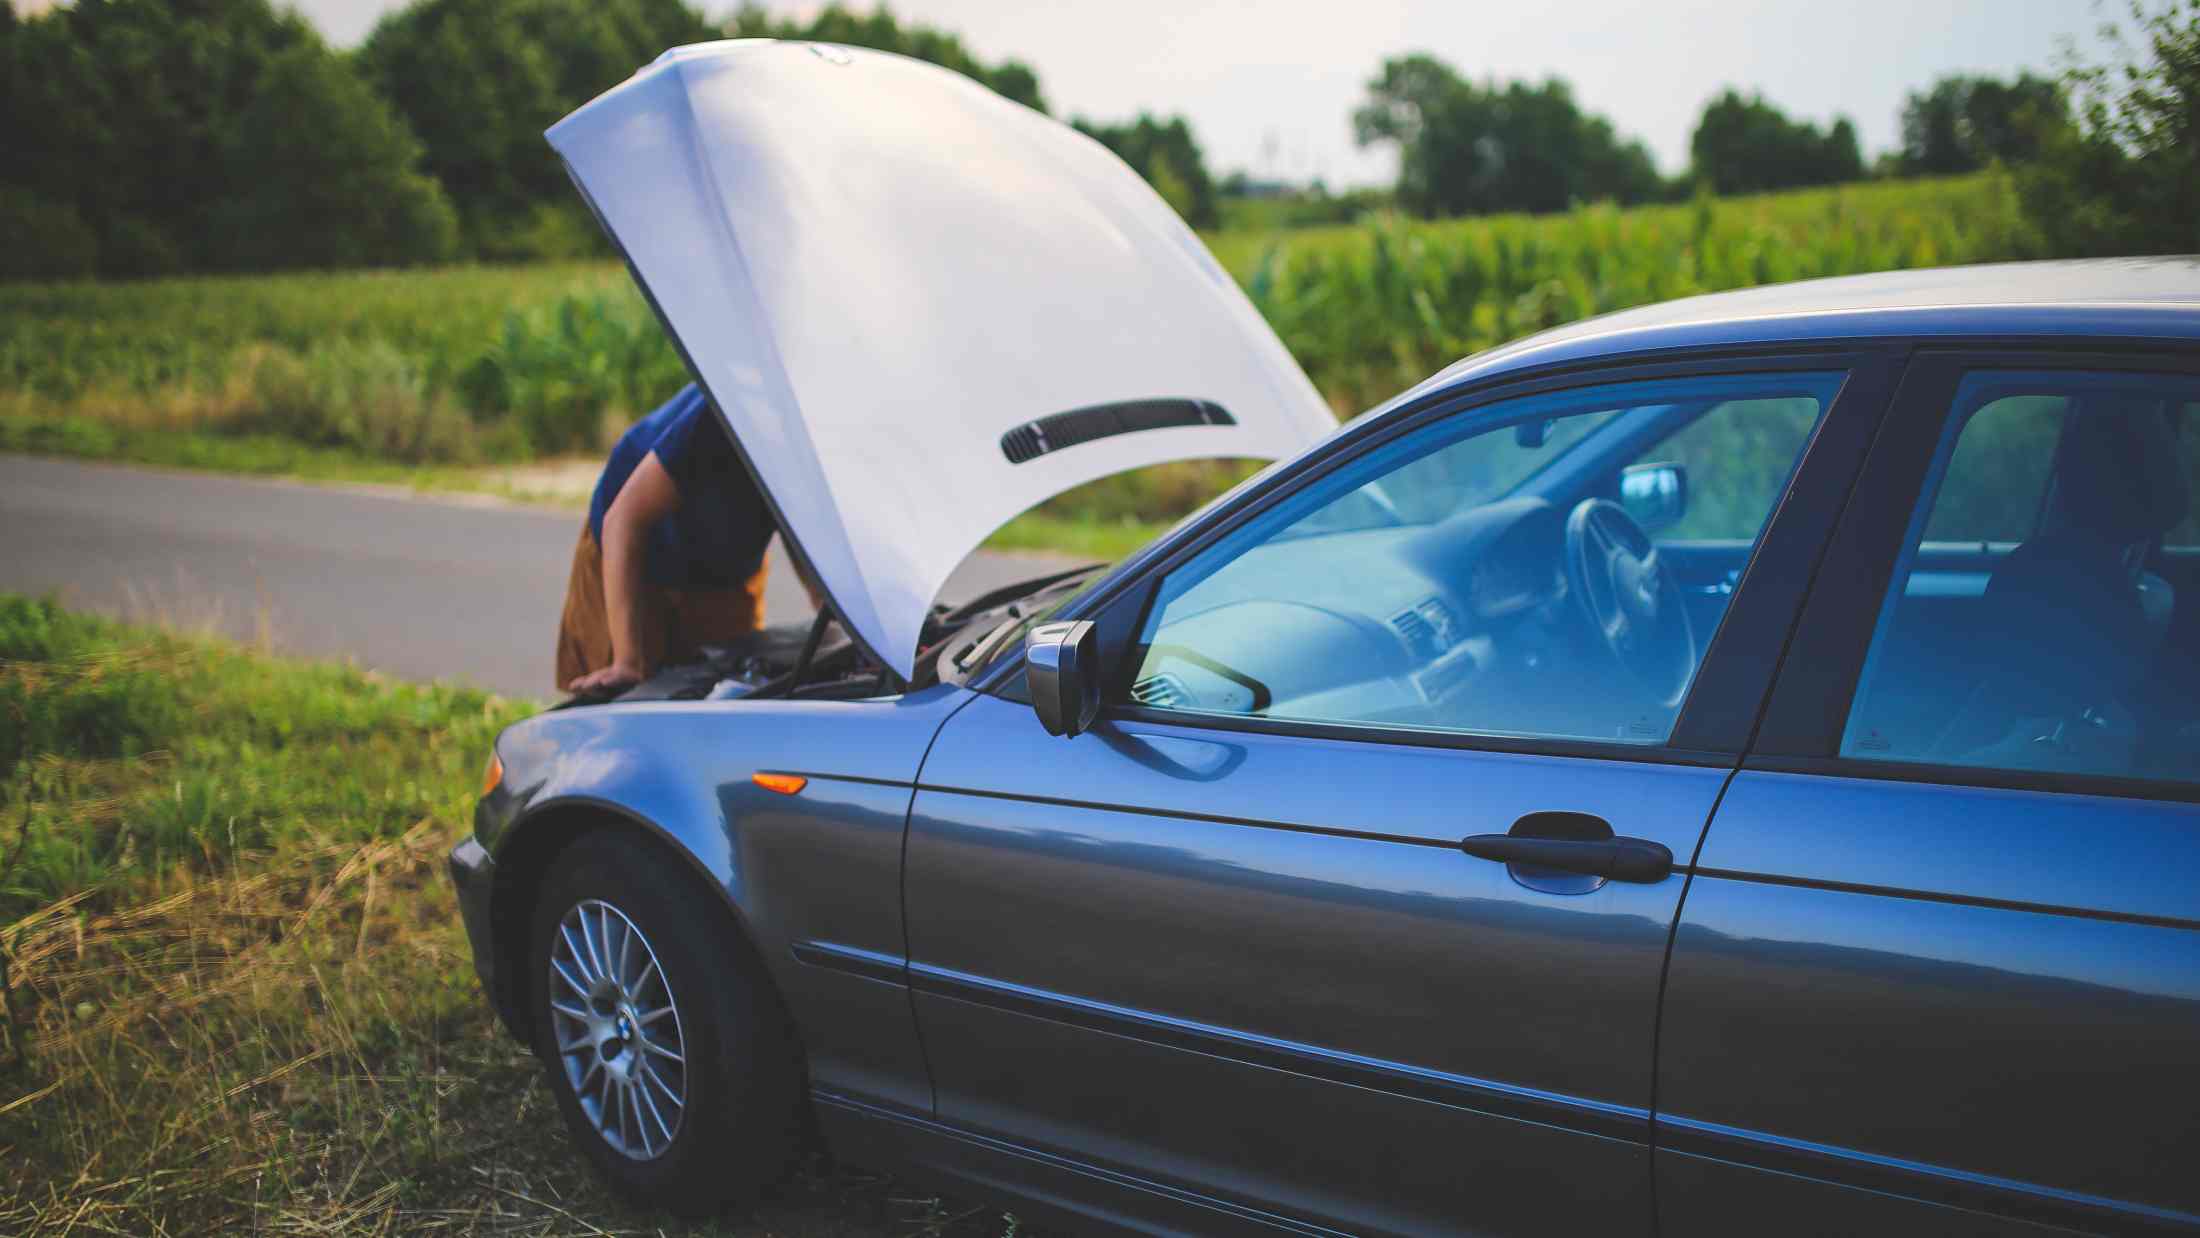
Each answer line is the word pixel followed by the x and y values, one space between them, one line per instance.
pixel 675 622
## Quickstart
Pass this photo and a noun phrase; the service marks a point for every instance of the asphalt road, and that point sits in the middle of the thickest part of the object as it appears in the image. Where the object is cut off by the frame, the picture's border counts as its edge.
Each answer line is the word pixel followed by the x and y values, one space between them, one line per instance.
pixel 419 587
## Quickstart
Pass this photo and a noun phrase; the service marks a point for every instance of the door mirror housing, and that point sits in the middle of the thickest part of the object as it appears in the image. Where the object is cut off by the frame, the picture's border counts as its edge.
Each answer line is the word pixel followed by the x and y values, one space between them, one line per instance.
pixel 1656 495
pixel 1062 668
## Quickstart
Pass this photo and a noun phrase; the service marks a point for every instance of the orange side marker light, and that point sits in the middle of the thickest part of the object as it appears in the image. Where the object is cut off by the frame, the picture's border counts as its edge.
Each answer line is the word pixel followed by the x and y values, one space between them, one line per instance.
pixel 785 784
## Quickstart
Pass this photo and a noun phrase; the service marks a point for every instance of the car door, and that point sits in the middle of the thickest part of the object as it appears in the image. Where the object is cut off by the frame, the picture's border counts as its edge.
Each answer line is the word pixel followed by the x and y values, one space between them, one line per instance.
pixel 1228 944
pixel 1938 968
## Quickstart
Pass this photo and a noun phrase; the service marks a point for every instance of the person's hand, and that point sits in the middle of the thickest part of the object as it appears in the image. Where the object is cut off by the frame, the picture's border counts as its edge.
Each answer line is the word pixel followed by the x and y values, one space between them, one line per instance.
pixel 606 681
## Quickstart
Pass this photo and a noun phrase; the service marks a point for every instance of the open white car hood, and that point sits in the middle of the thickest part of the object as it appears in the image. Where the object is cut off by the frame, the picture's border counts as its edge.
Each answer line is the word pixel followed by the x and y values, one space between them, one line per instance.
pixel 888 278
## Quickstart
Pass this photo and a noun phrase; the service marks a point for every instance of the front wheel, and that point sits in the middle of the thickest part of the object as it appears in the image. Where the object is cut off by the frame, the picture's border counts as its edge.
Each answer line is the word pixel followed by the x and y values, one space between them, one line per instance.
pixel 664 1043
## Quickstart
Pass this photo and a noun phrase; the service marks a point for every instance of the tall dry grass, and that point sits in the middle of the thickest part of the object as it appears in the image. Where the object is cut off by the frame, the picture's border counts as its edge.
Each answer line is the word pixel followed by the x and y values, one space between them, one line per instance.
pixel 235 996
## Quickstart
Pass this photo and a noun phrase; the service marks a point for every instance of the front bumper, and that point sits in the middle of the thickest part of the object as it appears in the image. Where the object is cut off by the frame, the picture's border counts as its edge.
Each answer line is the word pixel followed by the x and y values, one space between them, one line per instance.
pixel 473 872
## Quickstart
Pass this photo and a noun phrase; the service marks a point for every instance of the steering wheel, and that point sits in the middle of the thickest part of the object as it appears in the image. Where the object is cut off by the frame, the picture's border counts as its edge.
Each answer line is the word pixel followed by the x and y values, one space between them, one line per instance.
pixel 1630 597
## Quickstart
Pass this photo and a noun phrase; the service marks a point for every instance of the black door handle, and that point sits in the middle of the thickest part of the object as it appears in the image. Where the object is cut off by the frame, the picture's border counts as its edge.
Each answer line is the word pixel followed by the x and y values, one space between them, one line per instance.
pixel 1621 859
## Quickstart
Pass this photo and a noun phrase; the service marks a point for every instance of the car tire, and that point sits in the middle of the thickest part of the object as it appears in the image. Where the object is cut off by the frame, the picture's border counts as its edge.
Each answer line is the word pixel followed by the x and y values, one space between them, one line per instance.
pixel 663 1040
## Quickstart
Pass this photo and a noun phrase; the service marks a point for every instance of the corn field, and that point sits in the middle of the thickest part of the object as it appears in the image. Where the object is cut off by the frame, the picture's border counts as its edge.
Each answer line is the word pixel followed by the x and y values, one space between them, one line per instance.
pixel 458 364
pixel 1372 309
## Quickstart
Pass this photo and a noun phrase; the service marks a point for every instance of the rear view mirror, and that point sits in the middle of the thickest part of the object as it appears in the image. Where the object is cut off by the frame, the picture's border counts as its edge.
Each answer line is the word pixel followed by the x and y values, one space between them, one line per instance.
pixel 1061 666
pixel 1656 495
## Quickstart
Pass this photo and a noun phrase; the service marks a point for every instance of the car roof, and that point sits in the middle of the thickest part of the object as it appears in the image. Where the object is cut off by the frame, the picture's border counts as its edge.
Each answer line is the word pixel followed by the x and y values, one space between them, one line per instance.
pixel 2098 297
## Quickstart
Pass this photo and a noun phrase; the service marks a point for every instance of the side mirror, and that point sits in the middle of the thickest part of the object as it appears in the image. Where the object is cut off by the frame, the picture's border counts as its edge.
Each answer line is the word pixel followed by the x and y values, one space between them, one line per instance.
pixel 1062 667
pixel 1656 495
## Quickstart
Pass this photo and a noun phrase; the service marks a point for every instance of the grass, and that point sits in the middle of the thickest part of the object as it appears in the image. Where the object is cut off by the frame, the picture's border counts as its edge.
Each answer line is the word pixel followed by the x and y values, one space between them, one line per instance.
pixel 1096 538
pixel 147 337
pixel 237 995
pixel 274 455
pixel 255 454
pixel 426 376
pixel 1374 308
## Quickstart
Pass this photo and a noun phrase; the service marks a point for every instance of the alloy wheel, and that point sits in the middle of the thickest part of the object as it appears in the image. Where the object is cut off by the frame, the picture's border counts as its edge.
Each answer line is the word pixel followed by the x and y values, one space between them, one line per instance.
pixel 617 1030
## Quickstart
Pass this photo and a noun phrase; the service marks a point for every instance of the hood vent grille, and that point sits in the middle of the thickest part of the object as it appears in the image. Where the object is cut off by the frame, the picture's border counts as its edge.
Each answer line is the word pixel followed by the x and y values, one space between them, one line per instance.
pixel 1034 439
pixel 1159 692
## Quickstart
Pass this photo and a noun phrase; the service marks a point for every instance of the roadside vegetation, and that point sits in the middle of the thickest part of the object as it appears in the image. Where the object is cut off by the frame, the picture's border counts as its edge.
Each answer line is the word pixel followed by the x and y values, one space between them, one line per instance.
pixel 237 997
pixel 426 377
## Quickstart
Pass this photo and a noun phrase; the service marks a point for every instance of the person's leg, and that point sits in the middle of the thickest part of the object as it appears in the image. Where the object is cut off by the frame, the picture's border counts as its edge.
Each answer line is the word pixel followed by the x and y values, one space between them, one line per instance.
pixel 584 629
pixel 701 617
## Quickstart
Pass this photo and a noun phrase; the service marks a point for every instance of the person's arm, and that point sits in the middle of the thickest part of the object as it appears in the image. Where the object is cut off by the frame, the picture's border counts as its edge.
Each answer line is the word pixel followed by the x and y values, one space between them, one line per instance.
pixel 648 496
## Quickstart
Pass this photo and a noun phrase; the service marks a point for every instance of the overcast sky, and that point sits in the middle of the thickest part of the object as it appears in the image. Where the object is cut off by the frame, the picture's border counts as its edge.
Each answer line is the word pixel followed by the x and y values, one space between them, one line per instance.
pixel 1270 87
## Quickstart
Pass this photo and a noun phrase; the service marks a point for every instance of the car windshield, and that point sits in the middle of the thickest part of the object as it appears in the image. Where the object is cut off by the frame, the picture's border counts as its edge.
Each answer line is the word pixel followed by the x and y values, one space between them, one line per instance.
pixel 1020 616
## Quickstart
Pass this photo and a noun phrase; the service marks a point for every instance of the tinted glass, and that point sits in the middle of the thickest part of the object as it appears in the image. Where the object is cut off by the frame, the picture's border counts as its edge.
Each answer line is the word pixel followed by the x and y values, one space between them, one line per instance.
pixel 1996 482
pixel 2187 533
pixel 1737 457
pixel 2036 621
pixel 1484 575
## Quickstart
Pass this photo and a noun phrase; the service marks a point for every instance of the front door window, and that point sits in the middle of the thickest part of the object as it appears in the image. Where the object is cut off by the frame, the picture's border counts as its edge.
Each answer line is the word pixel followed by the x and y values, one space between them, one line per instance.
pixel 1553 566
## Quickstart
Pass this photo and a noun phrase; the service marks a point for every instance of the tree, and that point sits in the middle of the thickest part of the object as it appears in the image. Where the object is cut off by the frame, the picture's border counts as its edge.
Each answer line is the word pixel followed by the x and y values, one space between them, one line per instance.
pixel 1165 153
pixel 479 80
pixel 881 31
pixel 2124 178
pixel 1466 149
pixel 1746 145
pixel 1964 123
pixel 122 119
pixel 113 110
pixel 46 239
pixel 342 191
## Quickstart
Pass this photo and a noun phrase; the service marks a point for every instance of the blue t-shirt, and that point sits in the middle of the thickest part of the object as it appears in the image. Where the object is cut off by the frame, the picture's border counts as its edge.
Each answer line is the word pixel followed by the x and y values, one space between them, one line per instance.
pixel 716 538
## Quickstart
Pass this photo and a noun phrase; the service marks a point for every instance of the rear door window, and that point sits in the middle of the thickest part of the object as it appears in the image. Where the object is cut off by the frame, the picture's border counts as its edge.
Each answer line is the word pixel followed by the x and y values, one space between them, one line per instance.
pixel 1996 481
pixel 2075 656
pixel 2186 536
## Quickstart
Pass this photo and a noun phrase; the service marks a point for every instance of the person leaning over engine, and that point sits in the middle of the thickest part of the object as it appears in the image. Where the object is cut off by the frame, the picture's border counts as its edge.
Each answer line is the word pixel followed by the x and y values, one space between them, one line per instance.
pixel 672 556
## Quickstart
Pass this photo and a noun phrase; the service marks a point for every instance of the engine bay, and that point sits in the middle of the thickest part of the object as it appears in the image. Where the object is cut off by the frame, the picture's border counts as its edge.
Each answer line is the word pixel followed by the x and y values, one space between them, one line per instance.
pixel 815 659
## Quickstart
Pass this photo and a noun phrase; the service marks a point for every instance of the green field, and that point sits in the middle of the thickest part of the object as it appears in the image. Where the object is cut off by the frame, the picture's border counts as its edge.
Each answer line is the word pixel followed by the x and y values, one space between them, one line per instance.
pixel 422 375
pixel 237 995
pixel 1372 309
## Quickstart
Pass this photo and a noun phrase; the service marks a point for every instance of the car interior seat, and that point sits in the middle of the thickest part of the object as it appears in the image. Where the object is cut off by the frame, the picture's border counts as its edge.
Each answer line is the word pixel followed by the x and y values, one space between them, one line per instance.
pixel 2071 621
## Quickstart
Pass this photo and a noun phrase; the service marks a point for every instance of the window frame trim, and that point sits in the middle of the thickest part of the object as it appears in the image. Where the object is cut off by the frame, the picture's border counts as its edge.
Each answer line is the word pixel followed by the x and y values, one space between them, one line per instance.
pixel 1736 672
pixel 1808 709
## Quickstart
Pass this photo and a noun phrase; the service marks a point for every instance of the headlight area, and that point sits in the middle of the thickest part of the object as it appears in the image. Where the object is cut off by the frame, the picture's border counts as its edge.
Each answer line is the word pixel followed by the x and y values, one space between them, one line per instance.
pixel 498 804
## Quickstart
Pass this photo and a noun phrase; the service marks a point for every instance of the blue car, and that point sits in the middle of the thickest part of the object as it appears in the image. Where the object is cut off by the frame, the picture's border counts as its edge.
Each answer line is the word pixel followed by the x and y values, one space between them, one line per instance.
pixel 1731 766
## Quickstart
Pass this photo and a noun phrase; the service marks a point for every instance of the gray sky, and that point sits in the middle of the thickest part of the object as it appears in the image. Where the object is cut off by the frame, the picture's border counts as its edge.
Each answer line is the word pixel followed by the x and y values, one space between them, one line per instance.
pixel 1269 87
